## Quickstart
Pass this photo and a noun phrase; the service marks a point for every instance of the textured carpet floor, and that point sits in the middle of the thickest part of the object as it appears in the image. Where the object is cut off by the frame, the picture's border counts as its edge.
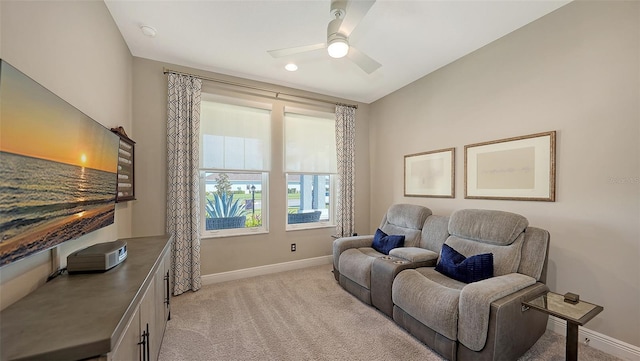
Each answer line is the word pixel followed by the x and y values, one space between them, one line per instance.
pixel 301 315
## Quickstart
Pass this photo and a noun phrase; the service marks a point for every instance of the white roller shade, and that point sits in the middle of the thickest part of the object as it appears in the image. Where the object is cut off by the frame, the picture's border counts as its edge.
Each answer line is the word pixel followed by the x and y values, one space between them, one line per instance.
pixel 234 137
pixel 310 144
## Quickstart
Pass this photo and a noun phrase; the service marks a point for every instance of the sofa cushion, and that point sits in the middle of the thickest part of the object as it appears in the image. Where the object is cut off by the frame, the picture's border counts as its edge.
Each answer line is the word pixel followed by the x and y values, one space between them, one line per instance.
pixel 439 278
pixel 355 264
pixel 473 269
pixel 432 304
pixel 384 243
pixel 414 254
pixel 487 226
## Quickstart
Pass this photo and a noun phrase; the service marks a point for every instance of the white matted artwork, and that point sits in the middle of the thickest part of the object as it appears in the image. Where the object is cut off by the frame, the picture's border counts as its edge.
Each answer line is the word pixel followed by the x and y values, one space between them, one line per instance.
pixel 430 174
pixel 520 168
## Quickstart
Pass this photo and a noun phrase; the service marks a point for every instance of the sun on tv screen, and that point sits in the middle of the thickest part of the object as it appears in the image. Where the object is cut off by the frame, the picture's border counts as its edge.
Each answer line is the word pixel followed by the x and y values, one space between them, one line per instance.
pixel 58 169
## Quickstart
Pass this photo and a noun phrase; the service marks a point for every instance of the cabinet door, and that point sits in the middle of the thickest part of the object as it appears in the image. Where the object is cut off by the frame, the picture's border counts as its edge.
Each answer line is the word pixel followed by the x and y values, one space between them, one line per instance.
pixel 128 349
pixel 134 345
pixel 159 310
pixel 147 321
pixel 168 283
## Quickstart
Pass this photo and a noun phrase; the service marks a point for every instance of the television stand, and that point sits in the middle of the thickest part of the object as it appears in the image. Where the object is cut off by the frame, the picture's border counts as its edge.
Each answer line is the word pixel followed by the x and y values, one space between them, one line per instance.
pixel 95 316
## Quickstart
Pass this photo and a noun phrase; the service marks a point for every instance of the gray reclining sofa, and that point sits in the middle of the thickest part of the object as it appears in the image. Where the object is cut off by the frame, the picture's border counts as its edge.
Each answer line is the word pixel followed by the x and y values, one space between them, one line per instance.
pixel 368 274
pixel 480 320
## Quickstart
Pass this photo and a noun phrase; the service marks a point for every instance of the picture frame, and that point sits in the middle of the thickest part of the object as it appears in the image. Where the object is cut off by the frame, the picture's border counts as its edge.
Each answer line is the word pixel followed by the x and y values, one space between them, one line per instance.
pixel 430 174
pixel 519 168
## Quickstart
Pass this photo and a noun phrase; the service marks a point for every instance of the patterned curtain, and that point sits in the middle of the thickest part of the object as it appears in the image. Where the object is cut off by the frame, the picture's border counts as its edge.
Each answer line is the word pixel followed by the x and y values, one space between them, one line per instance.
pixel 183 210
pixel 345 142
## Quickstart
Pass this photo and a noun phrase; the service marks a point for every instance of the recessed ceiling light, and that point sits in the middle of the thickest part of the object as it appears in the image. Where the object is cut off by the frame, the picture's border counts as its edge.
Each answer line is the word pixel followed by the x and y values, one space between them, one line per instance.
pixel 148 31
pixel 291 67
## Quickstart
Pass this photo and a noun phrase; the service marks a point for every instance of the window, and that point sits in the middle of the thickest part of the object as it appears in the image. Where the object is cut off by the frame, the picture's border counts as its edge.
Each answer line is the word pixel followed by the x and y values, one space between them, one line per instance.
pixel 233 200
pixel 235 146
pixel 310 164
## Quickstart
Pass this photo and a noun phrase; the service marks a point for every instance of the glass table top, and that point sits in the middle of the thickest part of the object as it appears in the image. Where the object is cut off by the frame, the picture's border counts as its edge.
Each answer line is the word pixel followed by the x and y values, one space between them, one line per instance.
pixel 554 304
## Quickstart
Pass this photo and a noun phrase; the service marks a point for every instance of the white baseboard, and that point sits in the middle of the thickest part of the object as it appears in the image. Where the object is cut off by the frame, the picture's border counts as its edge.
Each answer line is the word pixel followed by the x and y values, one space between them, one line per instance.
pixel 604 343
pixel 265 270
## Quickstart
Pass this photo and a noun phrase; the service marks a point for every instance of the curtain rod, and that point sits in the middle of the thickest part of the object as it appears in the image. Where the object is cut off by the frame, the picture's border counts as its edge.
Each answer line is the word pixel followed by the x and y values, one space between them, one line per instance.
pixel 277 93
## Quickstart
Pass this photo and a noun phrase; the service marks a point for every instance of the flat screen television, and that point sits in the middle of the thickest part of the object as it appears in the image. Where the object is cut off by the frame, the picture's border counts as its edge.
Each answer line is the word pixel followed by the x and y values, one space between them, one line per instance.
pixel 58 169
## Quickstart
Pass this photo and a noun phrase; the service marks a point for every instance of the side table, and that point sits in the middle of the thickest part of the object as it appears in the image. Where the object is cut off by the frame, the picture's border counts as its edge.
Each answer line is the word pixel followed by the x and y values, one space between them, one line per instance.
pixel 576 314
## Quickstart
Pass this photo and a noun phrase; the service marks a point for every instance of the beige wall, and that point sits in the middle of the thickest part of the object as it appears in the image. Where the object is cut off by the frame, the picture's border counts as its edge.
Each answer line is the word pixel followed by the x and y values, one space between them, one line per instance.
pixel 75 50
pixel 240 252
pixel 575 71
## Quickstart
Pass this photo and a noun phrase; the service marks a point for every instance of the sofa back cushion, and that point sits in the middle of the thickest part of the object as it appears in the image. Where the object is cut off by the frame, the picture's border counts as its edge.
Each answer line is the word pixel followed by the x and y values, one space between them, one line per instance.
pixel 535 252
pixel 434 232
pixel 475 231
pixel 406 220
pixel 506 259
pixel 487 226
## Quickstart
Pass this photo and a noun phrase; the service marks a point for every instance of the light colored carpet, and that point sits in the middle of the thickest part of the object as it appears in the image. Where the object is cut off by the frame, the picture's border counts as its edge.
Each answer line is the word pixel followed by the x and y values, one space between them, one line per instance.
pixel 301 315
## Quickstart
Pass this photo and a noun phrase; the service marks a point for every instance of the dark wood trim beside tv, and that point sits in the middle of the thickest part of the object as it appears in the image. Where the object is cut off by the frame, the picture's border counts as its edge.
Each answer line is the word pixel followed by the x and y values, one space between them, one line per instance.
pixel 126 167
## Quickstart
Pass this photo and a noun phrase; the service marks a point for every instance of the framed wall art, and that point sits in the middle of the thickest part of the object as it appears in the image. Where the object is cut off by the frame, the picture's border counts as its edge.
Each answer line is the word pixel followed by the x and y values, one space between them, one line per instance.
pixel 430 174
pixel 520 168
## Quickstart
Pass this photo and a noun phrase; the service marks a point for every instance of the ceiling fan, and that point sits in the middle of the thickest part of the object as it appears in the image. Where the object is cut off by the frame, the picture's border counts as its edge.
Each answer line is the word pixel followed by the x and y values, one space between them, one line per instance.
pixel 346 16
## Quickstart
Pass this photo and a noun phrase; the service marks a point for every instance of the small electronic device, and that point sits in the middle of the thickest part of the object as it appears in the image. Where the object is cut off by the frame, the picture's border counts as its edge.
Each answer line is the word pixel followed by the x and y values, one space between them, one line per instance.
pixel 571 297
pixel 97 258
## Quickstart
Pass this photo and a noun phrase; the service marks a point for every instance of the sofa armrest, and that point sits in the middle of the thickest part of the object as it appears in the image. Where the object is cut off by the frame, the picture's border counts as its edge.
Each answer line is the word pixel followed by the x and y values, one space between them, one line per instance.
pixel 414 254
pixel 507 320
pixel 342 244
pixel 475 305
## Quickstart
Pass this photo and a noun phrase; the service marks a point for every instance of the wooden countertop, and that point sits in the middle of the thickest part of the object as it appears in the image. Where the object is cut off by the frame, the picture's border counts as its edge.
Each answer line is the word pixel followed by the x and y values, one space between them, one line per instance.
pixel 80 315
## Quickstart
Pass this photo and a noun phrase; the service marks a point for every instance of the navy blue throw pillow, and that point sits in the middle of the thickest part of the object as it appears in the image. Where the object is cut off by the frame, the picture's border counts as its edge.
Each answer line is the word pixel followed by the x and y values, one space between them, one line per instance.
pixel 473 269
pixel 384 243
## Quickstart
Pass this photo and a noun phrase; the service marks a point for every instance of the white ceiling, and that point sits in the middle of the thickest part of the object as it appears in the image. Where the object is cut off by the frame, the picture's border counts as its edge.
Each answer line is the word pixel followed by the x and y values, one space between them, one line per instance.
pixel 409 38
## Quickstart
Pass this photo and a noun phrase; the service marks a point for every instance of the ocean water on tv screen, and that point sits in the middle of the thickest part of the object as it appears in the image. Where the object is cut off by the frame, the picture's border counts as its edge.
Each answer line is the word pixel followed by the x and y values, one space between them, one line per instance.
pixel 44 203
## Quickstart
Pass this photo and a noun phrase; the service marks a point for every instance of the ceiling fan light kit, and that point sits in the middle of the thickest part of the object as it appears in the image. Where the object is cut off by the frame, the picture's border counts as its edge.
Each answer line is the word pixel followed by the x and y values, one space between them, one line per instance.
pixel 338 47
pixel 338 32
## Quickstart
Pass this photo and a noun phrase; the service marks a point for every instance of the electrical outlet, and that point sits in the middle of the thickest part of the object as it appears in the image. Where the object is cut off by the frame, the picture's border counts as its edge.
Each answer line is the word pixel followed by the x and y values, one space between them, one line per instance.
pixel 293 247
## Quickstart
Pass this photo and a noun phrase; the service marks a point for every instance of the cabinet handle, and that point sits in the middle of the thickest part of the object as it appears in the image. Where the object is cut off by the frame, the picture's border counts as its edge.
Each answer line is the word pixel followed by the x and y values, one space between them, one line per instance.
pixel 144 345
pixel 166 288
pixel 167 299
pixel 148 345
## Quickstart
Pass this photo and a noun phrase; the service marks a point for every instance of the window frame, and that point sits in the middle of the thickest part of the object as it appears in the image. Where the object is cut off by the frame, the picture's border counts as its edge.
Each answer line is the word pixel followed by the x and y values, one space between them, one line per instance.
pixel 331 222
pixel 213 96
pixel 229 232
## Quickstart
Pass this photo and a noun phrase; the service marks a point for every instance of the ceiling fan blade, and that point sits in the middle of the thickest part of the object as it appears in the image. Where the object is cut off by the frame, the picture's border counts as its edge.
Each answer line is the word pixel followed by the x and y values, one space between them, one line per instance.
pixel 356 10
pixel 279 53
pixel 363 60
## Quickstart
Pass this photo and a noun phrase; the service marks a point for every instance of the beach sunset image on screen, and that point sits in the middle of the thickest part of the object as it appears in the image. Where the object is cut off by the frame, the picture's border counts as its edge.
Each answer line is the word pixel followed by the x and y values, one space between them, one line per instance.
pixel 58 169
